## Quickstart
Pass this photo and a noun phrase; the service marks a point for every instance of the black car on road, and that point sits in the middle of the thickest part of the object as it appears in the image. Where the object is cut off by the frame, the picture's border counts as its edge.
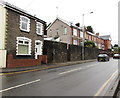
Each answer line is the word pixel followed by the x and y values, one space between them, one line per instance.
pixel 103 57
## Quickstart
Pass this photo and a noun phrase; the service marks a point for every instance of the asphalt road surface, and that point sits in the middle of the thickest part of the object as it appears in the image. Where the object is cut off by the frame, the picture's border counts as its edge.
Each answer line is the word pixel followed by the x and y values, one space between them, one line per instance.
pixel 88 79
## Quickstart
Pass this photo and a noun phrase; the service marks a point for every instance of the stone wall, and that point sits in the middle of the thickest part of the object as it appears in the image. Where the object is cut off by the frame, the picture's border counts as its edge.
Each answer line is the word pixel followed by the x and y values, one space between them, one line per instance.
pixel 57 52
pixel 90 53
pixel 61 52
pixel 74 53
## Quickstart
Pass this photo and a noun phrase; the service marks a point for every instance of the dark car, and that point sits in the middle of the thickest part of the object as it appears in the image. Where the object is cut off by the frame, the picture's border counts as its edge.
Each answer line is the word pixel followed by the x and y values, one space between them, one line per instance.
pixel 116 56
pixel 103 57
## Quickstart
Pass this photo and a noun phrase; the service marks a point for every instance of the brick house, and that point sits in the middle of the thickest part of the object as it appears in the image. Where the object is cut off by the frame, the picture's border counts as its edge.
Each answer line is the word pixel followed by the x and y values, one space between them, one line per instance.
pixel 99 42
pixel 102 42
pixel 107 41
pixel 21 37
pixel 65 31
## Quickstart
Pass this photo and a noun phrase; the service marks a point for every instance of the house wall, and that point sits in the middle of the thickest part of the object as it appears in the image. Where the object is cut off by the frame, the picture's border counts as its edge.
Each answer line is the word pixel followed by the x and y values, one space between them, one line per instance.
pixel 59 26
pixel 2 27
pixel 107 44
pixel 77 38
pixel 13 31
pixel 2 37
pixel 3 58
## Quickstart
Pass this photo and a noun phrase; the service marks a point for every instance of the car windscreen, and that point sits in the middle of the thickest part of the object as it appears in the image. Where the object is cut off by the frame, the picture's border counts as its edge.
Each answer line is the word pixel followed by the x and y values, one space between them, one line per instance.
pixel 116 55
pixel 102 55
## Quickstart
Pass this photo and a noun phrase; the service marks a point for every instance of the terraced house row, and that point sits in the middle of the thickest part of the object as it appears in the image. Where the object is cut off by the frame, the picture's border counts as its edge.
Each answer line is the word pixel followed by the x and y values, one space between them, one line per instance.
pixel 22 37
pixel 67 32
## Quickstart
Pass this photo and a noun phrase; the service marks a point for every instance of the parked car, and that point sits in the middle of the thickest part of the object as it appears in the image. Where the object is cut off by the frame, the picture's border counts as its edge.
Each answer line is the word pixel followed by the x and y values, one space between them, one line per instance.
pixel 103 57
pixel 116 56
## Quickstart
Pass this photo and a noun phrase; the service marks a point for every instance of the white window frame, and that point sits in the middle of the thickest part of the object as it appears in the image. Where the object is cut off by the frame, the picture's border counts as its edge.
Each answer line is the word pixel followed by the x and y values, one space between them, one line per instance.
pixel 81 34
pixel 23 39
pixel 75 33
pixel 28 23
pixel 65 30
pixel 39 27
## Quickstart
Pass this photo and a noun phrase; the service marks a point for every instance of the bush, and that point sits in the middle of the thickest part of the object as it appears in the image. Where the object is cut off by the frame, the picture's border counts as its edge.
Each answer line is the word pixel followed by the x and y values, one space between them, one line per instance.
pixel 89 44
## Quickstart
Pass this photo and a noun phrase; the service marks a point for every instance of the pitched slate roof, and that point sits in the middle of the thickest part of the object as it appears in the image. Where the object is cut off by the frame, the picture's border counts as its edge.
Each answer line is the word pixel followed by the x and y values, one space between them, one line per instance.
pixel 64 21
pixel 19 10
pixel 106 37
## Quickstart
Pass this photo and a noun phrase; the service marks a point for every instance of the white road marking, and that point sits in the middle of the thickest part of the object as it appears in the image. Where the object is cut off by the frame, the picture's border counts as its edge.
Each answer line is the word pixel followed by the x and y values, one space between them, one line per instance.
pixel 105 84
pixel 91 65
pixel 19 85
pixel 70 71
pixel 76 69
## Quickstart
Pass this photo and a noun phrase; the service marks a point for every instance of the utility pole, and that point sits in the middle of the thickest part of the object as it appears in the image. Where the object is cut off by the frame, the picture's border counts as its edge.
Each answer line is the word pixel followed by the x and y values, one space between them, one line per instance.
pixel 83 41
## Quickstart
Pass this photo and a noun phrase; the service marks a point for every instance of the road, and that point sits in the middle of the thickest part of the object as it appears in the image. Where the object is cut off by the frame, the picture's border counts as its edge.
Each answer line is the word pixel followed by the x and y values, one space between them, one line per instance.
pixel 87 79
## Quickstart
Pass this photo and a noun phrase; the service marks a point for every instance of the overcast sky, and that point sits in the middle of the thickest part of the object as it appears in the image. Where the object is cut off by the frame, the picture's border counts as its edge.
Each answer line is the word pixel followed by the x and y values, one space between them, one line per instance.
pixel 104 19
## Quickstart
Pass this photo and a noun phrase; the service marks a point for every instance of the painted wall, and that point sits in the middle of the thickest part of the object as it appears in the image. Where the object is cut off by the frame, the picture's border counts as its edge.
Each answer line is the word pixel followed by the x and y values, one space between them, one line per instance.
pixel 2 27
pixel 2 58
pixel 2 37
pixel 59 27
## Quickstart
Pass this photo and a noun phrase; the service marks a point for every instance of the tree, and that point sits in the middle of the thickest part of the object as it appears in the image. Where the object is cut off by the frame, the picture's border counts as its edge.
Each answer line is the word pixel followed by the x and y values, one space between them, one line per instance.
pixel 116 45
pixel 117 50
pixel 89 44
pixel 90 29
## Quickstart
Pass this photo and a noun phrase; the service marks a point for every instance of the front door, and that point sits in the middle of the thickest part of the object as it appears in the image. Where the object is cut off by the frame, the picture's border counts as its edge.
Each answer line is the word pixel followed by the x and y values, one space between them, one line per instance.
pixel 38 48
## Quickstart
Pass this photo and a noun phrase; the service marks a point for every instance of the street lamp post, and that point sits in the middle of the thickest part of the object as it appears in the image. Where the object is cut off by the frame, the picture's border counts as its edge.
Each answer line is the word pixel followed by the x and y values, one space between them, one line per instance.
pixel 83 54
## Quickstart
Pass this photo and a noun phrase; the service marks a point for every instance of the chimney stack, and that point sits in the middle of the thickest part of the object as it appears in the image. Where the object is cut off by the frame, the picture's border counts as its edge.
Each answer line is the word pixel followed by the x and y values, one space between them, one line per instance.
pixel 97 34
pixel 77 24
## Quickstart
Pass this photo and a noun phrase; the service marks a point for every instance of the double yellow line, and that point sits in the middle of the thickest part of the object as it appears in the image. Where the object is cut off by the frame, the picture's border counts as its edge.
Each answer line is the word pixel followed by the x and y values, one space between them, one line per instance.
pixel 37 69
pixel 105 84
pixel 30 70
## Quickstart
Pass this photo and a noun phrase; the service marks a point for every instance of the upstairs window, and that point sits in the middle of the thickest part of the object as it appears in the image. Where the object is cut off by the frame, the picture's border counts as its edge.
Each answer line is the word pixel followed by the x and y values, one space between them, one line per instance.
pixel 24 23
pixel 75 32
pixel 23 46
pixel 65 30
pixel 39 28
pixel 81 34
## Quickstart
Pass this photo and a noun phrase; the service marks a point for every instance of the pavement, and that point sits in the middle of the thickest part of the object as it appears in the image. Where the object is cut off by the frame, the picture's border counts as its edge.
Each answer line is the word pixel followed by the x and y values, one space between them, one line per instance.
pixel 117 93
pixel 112 88
pixel 43 67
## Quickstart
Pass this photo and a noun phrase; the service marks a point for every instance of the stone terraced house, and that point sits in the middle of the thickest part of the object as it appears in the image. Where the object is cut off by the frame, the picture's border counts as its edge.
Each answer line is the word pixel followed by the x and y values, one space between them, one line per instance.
pixel 21 37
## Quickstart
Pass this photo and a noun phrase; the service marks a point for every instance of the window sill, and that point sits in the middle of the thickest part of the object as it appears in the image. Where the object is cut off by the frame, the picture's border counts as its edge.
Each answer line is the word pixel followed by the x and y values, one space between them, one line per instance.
pixel 24 30
pixel 23 54
pixel 40 34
